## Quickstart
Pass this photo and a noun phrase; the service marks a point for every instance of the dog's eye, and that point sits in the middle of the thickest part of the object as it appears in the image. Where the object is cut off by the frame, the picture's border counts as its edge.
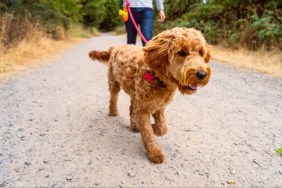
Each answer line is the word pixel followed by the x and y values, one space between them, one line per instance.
pixel 182 53
pixel 201 53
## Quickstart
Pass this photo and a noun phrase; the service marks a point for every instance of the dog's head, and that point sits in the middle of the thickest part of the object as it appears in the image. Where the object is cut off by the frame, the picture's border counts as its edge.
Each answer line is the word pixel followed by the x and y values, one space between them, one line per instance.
pixel 183 55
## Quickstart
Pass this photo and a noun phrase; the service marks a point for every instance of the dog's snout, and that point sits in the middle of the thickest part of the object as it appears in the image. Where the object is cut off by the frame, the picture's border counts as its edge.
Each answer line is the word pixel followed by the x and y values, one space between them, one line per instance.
pixel 201 75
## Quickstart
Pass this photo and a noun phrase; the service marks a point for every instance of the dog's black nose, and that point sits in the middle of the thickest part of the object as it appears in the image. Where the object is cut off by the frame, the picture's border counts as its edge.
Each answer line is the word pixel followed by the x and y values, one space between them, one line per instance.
pixel 201 75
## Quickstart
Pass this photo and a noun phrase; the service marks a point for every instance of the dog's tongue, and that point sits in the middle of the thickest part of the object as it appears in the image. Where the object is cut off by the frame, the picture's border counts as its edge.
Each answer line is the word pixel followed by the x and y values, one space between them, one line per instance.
pixel 194 86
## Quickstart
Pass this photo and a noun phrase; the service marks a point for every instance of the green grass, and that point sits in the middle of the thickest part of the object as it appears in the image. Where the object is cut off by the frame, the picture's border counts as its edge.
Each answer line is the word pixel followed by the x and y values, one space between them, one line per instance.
pixel 77 30
pixel 279 150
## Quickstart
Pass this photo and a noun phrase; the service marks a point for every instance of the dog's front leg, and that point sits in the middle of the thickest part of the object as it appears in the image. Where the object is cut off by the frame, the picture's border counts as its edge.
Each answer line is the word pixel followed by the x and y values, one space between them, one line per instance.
pixel 132 111
pixel 160 127
pixel 154 153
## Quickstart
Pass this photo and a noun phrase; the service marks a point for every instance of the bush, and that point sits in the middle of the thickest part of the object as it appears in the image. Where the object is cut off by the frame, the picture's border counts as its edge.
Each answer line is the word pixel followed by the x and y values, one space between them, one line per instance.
pixel 13 29
pixel 252 23
pixel 112 19
pixel 54 16
pixel 102 14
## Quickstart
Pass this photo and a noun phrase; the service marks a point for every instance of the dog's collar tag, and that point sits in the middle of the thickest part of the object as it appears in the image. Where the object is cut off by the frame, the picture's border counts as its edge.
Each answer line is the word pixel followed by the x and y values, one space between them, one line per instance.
pixel 149 76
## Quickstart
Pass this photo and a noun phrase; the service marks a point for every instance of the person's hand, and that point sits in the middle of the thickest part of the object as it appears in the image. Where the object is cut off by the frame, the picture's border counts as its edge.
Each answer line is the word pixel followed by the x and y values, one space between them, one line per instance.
pixel 162 16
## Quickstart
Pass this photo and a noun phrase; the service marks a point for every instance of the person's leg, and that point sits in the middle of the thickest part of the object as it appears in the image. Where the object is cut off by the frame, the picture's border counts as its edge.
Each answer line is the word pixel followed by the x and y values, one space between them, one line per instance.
pixel 130 29
pixel 146 23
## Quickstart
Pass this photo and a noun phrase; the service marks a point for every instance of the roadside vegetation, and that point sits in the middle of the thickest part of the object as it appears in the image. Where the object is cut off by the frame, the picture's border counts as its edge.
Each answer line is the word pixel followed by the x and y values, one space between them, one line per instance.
pixel 31 29
pixel 279 151
pixel 244 33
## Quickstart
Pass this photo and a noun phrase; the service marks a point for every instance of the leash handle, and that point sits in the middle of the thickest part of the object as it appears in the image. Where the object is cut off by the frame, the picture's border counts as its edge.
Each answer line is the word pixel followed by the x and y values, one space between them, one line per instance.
pixel 133 21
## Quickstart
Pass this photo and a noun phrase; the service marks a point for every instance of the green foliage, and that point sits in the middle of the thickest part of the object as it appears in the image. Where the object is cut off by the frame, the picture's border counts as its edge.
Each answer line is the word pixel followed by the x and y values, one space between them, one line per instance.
pixel 49 13
pixel 101 13
pixel 266 27
pixel 94 12
pixel 111 19
pixel 252 23
pixel 279 150
pixel 69 8
pixel 54 14
pixel 176 8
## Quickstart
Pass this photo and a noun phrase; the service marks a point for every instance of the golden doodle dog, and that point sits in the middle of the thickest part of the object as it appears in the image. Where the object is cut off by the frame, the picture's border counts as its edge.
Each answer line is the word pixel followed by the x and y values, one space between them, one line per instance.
pixel 176 58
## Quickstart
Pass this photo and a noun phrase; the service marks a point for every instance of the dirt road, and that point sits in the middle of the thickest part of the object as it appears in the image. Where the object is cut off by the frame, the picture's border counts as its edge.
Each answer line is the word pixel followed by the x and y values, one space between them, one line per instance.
pixel 55 130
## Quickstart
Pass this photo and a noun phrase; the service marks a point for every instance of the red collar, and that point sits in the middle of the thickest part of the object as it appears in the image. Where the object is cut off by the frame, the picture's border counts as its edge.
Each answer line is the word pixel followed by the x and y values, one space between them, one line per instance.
pixel 150 77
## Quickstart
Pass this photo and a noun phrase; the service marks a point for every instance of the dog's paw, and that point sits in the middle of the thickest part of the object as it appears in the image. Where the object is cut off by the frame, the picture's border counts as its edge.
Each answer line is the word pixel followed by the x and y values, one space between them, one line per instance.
pixel 159 131
pixel 156 157
pixel 134 127
pixel 113 113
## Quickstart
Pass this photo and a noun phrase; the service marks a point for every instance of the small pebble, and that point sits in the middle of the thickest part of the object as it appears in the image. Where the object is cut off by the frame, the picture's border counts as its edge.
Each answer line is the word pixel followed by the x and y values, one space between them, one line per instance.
pixel 27 163
pixel 233 172
pixel 231 182
pixel 130 174
pixel 45 161
pixel 69 178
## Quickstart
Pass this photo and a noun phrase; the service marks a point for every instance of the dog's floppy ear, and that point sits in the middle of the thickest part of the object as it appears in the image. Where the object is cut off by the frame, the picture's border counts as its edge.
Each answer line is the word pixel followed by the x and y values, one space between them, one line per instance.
pixel 208 54
pixel 156 50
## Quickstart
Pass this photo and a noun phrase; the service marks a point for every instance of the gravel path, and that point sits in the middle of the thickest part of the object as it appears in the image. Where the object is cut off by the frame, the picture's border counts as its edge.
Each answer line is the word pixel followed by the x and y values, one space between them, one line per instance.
pixel 55 130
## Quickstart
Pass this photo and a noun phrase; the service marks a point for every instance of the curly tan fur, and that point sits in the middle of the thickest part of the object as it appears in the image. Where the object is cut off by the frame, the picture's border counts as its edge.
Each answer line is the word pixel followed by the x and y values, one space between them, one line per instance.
pixel 178 58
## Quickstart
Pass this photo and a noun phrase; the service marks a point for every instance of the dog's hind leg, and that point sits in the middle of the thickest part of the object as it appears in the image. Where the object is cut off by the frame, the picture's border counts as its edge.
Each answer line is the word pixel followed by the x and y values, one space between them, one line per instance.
pixel 154 153
pixel 114 88
pixel 160 127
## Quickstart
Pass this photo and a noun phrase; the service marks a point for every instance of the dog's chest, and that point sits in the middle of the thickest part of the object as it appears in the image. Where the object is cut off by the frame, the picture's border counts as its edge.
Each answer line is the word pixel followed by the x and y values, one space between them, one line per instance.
pixel 154 98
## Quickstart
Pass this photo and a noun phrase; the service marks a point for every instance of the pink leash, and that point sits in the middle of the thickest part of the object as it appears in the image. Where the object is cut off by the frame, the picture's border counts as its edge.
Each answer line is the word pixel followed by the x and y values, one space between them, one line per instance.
pixel 134 23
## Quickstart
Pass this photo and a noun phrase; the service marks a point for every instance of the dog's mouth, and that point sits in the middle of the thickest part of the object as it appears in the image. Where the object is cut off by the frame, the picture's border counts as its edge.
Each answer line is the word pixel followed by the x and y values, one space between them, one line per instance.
pixel 193 87
pixel 188 89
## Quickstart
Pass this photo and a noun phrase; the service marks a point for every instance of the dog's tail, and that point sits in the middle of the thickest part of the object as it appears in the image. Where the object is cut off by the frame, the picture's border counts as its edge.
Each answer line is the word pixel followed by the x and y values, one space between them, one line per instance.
pixel 102 56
